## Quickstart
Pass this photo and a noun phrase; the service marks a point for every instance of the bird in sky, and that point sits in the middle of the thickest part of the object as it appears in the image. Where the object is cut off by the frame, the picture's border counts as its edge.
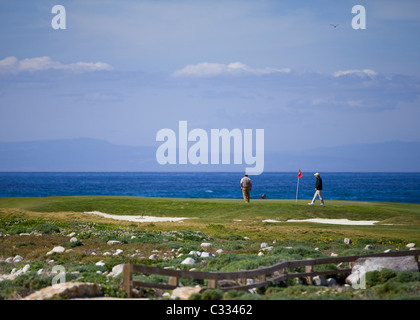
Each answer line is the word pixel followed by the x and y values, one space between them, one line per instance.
pixel 334 25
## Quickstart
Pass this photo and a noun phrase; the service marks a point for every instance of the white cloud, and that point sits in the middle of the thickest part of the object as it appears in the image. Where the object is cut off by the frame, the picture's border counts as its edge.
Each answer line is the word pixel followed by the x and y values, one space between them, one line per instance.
pixel 360 73
pixel 207 69
pixel 14 65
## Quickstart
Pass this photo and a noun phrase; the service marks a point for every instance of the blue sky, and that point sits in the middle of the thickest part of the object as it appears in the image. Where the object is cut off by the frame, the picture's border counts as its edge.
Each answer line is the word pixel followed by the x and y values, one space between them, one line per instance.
pixel 123 70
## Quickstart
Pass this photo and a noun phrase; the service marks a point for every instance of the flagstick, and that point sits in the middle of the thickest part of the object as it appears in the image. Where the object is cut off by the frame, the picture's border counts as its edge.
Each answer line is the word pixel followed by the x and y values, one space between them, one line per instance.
pixel 297 189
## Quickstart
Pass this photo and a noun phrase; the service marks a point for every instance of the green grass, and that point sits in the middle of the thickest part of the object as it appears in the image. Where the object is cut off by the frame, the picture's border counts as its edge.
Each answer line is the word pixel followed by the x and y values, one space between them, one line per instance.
pixel 216 216
pixel 219 209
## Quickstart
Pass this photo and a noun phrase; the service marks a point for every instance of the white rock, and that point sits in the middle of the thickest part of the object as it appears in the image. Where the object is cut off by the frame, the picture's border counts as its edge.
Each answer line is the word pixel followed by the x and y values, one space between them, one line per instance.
pixel 71 234
pixel 264 245
pixel 183 293
pixel 387 251
pixel 363 265
pixel 195 253
pixel 411 245
pixel 13 271
pixel 267 248
pixel 25 268
pixel 66 289
pixel 369 247
pixel 206 245
pixel 133 237
pixel 119 251
pixel 246 238
pixel 9 260
pixel 111 242
pixel 188 261
pixel 24 234
pixel 219 251
pixel 17 259
pixel 347 240
pixel 100 263
pixel 40 271
pixel 116 270
pixel 99 272
pixel 58 249
pixel 334 254
pixel 207 255
pixel 51 261
pixel 74 239
pixel 153 256
pixel 260 254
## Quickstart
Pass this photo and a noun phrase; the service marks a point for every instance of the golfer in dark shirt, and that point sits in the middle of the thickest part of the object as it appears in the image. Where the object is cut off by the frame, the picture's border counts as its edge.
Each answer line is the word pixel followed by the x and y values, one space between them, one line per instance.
pixel 318 190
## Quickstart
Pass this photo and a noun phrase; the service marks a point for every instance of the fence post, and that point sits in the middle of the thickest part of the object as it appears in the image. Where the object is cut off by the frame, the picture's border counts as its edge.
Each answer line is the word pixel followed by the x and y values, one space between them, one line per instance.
pixel 173 281
pixel 127 279
pixel 262 277
pixel 309 269
pixel 212 283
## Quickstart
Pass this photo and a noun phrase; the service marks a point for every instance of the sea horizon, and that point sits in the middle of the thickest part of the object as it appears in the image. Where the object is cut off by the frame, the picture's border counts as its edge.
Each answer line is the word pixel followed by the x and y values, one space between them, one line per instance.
pixel 358 186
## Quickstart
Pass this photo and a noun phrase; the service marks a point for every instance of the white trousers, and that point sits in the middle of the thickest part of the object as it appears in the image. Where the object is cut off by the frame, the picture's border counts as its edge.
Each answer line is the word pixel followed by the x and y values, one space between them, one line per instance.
pixel 318 193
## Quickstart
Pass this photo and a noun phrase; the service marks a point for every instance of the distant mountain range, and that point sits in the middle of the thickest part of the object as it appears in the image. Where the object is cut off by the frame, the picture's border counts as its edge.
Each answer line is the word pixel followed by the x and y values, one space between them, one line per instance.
pixel 90 155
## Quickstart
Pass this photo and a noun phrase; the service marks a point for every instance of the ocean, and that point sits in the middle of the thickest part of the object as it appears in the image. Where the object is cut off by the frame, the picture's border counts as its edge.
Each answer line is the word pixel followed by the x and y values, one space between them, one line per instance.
pixel 383 187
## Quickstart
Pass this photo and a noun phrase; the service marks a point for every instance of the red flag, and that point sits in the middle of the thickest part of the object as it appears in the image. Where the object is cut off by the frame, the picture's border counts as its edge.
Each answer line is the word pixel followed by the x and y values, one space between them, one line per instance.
pixel 300 174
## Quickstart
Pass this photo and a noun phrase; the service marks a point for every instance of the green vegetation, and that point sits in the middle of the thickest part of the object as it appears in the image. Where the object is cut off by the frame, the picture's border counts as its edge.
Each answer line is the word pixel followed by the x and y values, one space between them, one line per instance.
pixel 31 227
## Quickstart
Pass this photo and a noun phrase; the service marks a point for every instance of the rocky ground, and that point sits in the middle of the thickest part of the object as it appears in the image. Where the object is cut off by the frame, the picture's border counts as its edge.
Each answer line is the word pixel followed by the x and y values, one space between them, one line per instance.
pixel 81 261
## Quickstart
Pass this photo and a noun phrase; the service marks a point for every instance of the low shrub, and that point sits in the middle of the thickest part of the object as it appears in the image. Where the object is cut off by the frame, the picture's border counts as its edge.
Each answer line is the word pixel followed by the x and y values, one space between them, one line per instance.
pixel 17 230
pixel 241 295
pixel 407 276
pixel 72 244
pixel 212 294
pixel 24 244
pixel 8 288
pixel 110 286
pixel 376 277
pixel 46 228
pixel 33 281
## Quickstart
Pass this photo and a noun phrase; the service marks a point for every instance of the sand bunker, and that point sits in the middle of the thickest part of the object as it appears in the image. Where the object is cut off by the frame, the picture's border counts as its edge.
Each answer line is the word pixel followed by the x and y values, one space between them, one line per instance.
pixel 179 219
pixel 331 221
pixel 136 218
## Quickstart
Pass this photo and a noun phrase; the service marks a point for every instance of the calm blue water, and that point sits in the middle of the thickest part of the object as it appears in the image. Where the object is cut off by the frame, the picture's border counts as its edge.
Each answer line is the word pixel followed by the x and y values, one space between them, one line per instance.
pixel 387 187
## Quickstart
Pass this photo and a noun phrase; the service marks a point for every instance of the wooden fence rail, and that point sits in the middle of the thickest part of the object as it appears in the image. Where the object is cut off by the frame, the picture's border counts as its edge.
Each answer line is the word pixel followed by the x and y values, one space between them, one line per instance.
pixel 277 271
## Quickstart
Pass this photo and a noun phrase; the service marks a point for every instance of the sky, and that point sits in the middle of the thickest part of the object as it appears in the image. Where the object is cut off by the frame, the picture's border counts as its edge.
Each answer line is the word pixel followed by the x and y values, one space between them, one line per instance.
pixel 123 70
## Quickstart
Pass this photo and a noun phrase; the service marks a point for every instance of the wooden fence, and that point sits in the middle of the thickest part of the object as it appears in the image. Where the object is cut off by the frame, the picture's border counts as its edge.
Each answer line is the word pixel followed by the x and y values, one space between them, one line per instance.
pixel 277 273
